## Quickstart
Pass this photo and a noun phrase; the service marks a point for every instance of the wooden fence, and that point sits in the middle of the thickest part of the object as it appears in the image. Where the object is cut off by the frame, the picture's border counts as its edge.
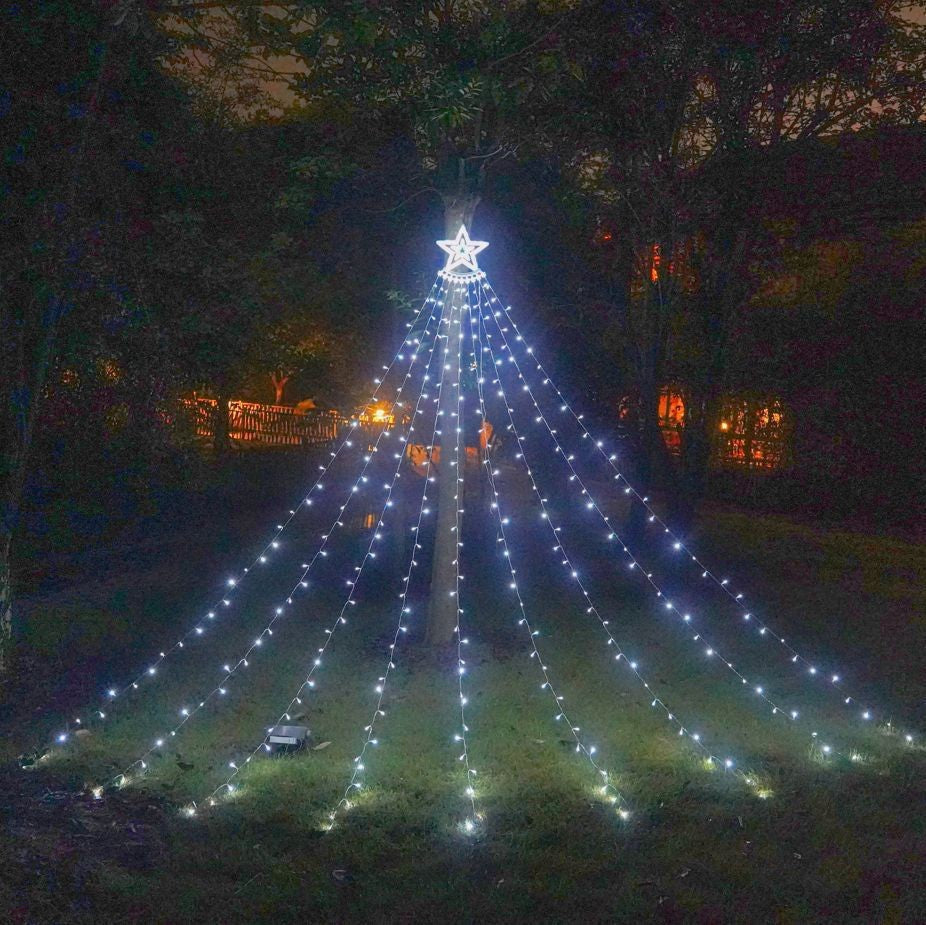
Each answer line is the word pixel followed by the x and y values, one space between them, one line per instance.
pixel 754 431
pixel 250 423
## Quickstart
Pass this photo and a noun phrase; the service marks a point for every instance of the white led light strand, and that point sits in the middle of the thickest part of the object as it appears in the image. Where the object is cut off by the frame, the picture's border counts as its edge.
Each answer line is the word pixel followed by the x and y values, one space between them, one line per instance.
pixel 606 789
pixel 358 764
pixel 230 669
pixel 710 650
pixel 227 786
pixel 233 584
pixel 474 820
pixel 560 552
pixel 808 668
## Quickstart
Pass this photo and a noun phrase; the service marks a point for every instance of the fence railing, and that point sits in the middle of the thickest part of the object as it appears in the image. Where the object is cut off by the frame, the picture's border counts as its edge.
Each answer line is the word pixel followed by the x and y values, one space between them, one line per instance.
pixel 266 425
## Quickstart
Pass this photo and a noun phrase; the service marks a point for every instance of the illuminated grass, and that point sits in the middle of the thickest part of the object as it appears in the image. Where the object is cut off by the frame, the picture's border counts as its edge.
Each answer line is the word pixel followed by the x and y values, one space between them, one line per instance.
pixel 792 835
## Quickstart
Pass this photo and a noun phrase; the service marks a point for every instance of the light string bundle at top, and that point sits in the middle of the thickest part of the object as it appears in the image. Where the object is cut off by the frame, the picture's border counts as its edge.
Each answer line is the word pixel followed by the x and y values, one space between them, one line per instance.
pixel 606 788
pixel 227 786
pixel 749 618
pixel 234 583
pixel 358 766
pixel 230 669
pixel 590 503
pixel 561 553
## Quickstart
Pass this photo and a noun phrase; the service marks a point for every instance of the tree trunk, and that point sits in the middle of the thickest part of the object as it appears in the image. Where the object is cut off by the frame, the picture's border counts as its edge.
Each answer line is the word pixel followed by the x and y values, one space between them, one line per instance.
pixel 16 462
pixel 279 387
pixel 650 450
pixel 702 412
pixel 6 602
pixel 220 441
pixel 442 609
pixel 15 456
pixel 653 462
pixel 722 291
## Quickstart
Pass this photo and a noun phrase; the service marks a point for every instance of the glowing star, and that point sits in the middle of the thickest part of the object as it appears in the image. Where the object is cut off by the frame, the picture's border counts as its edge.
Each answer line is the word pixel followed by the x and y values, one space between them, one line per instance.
pixel 462 252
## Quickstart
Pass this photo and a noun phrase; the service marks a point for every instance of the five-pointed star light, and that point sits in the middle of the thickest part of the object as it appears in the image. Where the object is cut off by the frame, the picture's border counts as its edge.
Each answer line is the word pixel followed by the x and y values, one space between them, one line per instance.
pixel 462 251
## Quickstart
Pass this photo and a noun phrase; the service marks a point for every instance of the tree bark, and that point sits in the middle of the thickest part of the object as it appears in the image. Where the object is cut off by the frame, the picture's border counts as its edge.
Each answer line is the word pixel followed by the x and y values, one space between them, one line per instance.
pixel 6 601
pixel 650 454
pixel 459 210
pixel 220 441
pixel 722 291
pixel 650 333
pixel 702 413
pixel 442 608
pixel 16 465
pixel 19 430
pixel 279 386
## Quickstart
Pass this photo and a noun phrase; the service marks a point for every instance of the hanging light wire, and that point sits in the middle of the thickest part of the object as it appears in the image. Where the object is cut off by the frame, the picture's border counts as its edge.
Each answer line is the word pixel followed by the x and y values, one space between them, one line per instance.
pixel 807 667
pixel 560 552
pixel 358 765
pixel 480 289
pixel 309 682
pixel 607 788
pixel 199 629
pixel 590 503
pixel 230 669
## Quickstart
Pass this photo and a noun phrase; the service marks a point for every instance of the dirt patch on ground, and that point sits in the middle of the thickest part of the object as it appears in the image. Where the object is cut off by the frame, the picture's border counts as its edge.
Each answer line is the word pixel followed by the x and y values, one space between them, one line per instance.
pixel 55 838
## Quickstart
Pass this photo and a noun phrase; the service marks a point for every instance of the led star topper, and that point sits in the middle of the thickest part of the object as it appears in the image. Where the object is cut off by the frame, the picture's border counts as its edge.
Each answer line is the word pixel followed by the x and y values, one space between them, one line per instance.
pixel 462 252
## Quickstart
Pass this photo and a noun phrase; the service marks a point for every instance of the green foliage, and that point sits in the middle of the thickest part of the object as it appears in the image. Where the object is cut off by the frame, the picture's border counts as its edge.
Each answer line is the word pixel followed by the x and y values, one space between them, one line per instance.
pixel 85 139
pixel 462 80
pixel 313 176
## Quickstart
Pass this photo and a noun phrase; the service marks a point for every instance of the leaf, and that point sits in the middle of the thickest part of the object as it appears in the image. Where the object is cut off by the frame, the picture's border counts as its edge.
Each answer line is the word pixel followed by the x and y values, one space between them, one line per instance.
pixel 320 746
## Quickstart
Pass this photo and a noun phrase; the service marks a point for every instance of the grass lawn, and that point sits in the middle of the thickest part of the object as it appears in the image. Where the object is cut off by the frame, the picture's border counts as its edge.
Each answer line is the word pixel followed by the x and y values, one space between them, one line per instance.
pixel 813 838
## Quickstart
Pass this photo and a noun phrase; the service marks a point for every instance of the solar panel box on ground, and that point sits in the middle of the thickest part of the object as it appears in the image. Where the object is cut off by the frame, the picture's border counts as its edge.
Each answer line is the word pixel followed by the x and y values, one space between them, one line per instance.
pixel 287 738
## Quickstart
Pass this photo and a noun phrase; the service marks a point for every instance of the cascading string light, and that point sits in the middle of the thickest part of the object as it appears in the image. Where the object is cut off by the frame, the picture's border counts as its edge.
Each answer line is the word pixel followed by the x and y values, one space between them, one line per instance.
pixel 475 819
pixel 807 667
pixel 228 786
pixel 591 504
pixel 560 552
pixel 230 669
pixel 607 790
pixel 359 762
pixel 234 584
